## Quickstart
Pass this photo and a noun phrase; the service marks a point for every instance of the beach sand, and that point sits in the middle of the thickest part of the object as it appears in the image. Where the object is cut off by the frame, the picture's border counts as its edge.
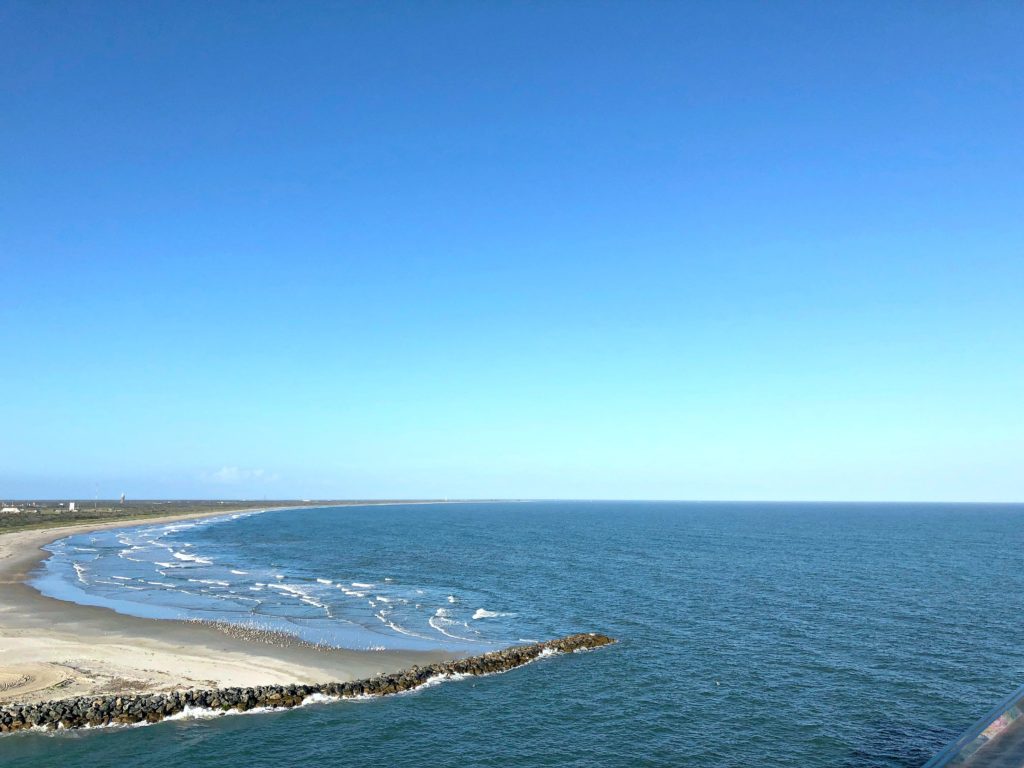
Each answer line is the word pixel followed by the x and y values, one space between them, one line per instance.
pixel 51 649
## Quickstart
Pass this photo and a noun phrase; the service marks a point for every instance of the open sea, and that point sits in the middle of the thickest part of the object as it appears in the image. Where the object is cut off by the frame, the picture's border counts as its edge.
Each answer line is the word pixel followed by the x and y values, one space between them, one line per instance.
pixel 847 635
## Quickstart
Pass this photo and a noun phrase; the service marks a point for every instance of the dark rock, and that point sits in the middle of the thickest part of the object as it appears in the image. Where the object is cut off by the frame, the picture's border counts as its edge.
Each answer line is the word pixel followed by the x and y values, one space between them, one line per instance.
pixel 105 710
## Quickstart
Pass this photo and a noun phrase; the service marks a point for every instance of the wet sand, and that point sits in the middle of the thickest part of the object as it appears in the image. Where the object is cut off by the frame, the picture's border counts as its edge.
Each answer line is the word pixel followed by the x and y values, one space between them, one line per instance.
pixel 53 649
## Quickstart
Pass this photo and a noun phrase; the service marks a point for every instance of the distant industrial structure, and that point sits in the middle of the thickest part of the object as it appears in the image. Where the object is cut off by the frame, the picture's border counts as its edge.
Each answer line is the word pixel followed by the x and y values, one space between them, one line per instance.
pixel 13 508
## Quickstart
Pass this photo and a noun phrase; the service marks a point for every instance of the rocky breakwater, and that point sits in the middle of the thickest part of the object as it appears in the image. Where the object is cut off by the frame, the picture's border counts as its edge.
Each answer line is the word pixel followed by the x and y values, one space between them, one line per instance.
pixel 95 711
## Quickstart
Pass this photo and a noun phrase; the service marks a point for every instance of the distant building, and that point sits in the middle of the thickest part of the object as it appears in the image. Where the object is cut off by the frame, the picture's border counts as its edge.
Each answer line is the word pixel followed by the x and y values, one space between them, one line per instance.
pixel 71 506
pixel 10 510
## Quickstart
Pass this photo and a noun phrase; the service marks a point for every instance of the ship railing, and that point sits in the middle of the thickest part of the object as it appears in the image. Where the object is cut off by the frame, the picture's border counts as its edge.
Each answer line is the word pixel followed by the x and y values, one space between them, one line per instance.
pixel 981 733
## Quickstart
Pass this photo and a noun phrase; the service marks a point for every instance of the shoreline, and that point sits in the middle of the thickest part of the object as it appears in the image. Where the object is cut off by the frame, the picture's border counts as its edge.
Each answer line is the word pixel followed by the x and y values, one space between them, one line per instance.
pixel 114 711
pixel 52 649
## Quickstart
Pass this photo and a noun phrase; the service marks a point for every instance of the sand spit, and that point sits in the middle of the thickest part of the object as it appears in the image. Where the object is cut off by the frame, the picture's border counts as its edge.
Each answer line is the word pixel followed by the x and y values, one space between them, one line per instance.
pixel 93 712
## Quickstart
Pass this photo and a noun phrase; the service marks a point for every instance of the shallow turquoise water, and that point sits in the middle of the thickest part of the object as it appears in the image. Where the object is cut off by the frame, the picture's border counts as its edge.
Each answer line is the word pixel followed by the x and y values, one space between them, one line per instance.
pixel 751 634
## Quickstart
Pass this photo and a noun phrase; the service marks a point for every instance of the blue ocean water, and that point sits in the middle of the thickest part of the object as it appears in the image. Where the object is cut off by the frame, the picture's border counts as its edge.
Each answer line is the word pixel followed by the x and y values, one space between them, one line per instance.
pixel 751 634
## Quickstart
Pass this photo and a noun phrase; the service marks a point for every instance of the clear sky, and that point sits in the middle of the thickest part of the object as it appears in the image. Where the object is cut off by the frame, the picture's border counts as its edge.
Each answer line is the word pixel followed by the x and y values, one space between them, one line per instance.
pixel 709 250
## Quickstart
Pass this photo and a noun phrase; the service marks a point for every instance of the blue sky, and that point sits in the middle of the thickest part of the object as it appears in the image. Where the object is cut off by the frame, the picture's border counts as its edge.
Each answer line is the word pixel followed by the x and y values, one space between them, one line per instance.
pixel 581 250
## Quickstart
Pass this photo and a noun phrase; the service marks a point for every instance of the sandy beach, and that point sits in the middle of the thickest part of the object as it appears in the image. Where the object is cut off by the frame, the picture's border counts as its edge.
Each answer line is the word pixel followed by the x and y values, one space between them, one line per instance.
pixel 53 649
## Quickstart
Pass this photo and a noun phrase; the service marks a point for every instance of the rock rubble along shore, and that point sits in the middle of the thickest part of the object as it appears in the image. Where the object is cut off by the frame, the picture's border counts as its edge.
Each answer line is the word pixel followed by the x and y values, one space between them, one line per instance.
pixel 93 711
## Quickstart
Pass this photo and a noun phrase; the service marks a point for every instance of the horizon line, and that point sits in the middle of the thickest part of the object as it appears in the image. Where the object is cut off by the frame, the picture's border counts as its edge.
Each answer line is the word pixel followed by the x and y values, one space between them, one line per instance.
pixel 496 500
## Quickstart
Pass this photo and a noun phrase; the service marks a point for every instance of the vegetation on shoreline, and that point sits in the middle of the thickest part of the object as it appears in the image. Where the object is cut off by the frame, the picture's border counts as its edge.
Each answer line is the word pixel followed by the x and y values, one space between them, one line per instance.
pixel 50 514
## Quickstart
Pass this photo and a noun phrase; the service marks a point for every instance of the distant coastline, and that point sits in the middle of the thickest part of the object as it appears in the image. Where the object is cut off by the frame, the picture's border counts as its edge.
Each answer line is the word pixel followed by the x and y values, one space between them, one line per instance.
pixel 50 513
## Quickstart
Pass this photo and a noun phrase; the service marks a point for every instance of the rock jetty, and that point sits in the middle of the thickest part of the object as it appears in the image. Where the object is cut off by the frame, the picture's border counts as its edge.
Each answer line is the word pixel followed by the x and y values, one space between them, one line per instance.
pixel 95 711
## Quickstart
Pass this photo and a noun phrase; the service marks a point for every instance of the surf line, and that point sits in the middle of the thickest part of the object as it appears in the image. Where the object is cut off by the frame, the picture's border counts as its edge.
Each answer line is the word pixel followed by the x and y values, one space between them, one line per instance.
pixel 98 711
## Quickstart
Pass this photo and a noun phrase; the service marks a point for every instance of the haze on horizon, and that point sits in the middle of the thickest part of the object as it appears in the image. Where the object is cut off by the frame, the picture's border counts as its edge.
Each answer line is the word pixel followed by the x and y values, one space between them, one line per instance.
pixel 565 250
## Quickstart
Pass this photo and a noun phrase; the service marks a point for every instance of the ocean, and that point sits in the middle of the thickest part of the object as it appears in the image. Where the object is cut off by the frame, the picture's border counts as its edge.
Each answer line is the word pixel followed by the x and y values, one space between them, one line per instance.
pixel 765 634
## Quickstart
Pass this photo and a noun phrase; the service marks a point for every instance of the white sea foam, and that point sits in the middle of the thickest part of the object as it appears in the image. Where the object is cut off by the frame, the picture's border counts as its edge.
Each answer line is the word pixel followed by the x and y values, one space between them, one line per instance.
pixel 383 617
pixel 483 613
pixel 325 581
pixel 205 713
pixel 299 593
pixel 239 573
pixel 176 527
pixel 318 698
pixel 79 571
pixel 403 630
pixel 360 585
pixel 191 558
pixel 440 620
pixel 452 599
